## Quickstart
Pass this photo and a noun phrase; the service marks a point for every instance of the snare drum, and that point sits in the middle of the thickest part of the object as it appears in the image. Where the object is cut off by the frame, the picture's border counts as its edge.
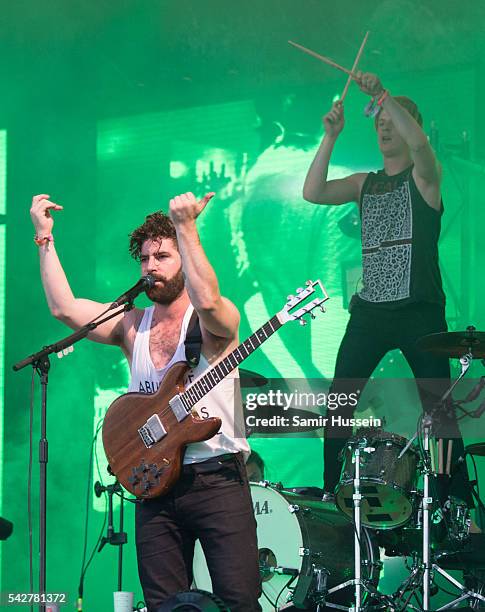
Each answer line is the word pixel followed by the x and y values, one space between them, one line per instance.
pixel 387 480
pixel 297 532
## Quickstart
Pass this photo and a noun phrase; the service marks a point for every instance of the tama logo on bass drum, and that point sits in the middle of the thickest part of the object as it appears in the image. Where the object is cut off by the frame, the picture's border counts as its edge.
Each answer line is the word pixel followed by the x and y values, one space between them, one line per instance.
pixel 261 508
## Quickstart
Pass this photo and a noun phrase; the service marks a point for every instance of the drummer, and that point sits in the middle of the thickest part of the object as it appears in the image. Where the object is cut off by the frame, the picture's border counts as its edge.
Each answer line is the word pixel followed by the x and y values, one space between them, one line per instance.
pixel 402 297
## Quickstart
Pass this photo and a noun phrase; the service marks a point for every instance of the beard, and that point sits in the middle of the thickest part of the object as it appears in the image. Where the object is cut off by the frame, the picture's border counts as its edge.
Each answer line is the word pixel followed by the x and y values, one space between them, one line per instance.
pixel 169 291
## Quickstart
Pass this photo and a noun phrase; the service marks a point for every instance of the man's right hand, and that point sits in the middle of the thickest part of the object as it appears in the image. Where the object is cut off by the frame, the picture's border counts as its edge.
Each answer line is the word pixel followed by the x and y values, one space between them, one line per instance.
pixel 41 215
pixel 333 121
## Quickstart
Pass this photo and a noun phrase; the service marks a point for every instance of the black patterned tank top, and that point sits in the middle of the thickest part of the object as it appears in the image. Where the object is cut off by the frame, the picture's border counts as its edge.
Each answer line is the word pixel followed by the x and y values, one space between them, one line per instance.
pixel 400 233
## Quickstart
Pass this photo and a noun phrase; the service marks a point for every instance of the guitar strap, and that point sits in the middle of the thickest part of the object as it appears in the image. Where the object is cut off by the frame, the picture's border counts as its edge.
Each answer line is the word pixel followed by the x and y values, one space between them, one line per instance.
pixel 193 341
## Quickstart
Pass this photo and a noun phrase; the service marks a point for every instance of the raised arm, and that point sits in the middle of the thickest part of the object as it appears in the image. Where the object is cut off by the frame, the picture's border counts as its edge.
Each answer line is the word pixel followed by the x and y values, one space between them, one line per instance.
pixel 72 311
pixel 317 189
pixel 427 170
pixel 217 314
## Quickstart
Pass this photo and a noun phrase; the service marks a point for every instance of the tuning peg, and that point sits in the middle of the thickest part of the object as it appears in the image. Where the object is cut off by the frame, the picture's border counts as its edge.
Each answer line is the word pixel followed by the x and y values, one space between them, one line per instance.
pixel 299 290
pixel 302 322
pixel 309 282
pixel 322 308
pixel 290 297
pixel 312 315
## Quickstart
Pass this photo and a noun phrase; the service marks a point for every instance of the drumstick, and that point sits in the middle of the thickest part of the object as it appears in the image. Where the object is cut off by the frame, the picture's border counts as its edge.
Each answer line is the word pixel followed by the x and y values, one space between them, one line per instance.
pixel 440 456
pixel 448 458
pixel 354 67
pixel 322 58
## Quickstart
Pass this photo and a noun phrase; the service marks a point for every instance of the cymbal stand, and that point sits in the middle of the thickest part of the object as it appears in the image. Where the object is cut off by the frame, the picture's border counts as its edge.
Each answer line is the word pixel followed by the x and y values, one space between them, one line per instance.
pixel 428 567
pixel 465 362
pixel 357 497
pixel 427 506
pixel 422 574
pixel 410 585
pixel 466 594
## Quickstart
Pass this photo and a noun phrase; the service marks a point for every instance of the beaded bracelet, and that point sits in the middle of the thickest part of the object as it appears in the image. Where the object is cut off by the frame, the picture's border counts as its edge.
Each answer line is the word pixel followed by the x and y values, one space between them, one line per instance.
pixel 371 108
pixel 44 240
pixel 374 105
pixel 382 97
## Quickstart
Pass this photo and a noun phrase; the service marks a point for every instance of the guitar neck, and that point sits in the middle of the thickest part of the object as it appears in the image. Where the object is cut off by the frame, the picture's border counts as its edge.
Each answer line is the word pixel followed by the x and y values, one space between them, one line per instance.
pixel 197 390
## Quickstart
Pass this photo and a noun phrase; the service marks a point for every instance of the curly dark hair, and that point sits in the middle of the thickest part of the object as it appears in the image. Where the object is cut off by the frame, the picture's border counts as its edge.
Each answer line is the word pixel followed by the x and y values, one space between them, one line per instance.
pixel 156 225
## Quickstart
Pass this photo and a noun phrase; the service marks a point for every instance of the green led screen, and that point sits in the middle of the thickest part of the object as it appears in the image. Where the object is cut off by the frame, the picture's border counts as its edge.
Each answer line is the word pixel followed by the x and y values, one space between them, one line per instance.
pixel 264 242
pixel 3 233
pixel 262 238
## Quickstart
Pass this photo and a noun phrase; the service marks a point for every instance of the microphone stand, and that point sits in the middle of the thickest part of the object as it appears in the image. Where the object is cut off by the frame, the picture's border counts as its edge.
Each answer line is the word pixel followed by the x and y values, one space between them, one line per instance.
pixel 41 363
pixel 114 538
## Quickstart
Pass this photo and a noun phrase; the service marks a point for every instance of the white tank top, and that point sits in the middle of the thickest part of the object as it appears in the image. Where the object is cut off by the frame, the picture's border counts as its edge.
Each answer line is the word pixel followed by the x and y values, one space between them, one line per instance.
pixel 223 401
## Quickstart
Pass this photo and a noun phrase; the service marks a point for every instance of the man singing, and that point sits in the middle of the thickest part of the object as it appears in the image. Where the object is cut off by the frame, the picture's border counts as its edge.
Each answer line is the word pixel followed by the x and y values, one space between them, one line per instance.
pixel 211 500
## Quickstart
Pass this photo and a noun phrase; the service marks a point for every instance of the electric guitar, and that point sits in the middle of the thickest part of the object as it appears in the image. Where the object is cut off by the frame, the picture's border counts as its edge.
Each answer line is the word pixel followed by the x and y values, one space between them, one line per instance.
pixel 145 435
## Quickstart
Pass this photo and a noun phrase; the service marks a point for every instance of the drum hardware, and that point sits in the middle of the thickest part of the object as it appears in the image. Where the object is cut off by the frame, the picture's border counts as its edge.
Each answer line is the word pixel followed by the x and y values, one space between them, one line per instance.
pixel 477 449
pixel 409 587
pixel 295 546
pixel 357 497
pixel 424 573
pixel 455 344
pixel 321 575
pixel 453 514
pixel 358 582
pixel 388 475
pixel 466 346
pixel 457 517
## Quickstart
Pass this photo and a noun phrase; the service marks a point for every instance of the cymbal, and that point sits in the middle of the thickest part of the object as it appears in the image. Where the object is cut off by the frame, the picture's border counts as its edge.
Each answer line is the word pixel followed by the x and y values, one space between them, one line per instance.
pixel 477 449
pixel 454 344
pixel 251 379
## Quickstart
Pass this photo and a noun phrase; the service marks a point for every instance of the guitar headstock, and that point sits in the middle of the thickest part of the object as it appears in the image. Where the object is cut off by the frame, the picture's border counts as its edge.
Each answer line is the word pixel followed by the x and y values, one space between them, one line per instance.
pixel 299 305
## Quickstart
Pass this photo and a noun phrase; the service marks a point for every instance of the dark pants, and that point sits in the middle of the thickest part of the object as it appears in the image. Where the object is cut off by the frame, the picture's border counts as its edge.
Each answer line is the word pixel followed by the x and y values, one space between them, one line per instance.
pixel 210 502
pixel 372 332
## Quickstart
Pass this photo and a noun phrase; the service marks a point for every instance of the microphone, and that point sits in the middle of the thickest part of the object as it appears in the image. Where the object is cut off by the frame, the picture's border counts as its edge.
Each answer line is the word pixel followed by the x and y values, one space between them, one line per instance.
pixel 145 282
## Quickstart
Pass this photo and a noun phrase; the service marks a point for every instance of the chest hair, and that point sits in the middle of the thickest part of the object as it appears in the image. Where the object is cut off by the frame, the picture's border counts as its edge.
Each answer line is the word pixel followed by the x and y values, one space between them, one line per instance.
pixel 164 339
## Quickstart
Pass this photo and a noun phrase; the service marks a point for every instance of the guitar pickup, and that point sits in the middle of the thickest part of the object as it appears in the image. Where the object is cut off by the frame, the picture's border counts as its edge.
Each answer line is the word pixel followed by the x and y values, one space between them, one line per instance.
pixel 153 431
pixel 178 408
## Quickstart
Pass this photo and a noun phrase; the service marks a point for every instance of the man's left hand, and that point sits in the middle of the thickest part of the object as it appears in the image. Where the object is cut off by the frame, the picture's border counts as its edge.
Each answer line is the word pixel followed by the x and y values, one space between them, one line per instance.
pixel 369 83
pixel 185 208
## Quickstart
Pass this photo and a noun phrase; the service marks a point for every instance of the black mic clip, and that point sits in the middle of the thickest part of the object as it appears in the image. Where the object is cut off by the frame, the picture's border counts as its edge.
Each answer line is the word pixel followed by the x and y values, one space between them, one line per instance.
pixel 145 282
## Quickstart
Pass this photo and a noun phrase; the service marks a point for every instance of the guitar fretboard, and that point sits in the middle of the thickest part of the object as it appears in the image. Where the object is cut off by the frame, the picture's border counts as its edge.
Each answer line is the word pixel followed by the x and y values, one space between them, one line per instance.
pixel 197 390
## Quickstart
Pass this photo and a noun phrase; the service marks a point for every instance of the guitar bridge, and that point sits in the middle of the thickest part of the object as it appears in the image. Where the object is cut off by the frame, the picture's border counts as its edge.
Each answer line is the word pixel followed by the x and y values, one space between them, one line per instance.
pixel 153 431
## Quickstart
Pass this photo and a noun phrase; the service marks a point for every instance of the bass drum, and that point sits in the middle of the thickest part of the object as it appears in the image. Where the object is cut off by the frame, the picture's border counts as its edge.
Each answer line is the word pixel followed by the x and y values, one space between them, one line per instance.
pixel 296 532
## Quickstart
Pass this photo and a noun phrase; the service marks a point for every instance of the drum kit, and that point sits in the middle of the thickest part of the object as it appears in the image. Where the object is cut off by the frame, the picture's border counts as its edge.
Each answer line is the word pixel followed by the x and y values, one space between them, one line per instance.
pixel 323 555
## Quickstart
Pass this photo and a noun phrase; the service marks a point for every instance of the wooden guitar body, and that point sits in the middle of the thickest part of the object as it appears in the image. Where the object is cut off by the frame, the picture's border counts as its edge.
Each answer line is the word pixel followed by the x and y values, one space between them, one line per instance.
pixel 150 472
